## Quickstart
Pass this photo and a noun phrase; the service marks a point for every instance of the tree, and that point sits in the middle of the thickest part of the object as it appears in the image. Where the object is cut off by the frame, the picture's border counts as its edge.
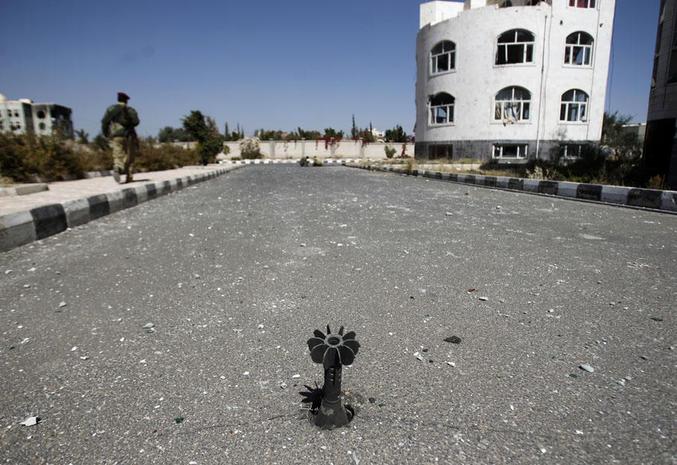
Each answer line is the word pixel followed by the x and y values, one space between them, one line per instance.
pixel 100 142
pixel 354 131
pixel 82 136
pixel 170 134
pixel 396 134
pixel 234 135
pixel 366 135
pixel 203 129
pixel 624 144
pixel 331 133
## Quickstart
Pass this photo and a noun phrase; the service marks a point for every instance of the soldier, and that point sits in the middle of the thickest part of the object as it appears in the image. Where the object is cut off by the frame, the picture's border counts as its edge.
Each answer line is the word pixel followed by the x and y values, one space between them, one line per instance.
pixel 118 126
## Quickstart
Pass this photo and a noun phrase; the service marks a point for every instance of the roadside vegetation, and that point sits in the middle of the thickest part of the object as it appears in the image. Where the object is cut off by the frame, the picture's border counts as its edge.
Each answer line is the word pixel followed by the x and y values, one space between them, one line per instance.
pixel 616 161
pixel 30 158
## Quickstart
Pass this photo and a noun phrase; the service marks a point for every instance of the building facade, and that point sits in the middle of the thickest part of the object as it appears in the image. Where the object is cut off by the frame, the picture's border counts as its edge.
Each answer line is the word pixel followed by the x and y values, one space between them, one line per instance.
pixel 44 119
pixel 660 145
pixel 511 80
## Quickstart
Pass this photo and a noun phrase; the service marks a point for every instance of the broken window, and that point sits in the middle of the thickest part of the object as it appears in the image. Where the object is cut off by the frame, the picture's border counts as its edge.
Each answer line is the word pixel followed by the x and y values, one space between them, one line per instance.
pixel 436 151
pixel 41 114
pixel 510 151
pixel 582 3
pixel 574 106
pixel 571 151
pixel 515 46
pixel 441 109
pixel 510 3
pixel 512 104
pixel 443 57
pixel 578 49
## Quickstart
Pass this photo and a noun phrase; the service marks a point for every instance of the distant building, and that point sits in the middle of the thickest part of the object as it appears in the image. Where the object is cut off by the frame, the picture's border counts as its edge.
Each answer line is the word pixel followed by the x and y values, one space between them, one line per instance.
pixel 44 119
pixel 511 80
pixel 636 129
pixel 660 146
pixel 378 135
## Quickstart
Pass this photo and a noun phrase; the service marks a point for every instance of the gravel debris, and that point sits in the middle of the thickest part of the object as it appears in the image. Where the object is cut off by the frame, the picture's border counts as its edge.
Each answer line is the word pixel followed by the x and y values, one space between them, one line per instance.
pixel 30 421
pixel 586 367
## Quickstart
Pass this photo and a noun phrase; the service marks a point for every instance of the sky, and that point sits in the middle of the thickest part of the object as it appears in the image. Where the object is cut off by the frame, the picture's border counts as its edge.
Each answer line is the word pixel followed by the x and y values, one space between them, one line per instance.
pixel 264 64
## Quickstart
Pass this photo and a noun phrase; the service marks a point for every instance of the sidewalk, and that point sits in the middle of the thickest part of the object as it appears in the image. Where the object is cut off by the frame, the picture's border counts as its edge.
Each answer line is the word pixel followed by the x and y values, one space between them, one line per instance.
pixel 31 217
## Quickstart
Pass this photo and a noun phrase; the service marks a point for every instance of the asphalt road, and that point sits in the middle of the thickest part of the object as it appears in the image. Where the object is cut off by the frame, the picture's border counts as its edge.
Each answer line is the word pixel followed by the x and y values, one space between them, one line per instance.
pixel 235 274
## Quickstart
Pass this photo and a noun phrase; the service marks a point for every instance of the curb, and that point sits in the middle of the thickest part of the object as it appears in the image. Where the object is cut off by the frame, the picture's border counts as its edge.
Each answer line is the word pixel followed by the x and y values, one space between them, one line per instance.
pixel 23 189
pixel 630 197
pixel 17 229
pixel 268 161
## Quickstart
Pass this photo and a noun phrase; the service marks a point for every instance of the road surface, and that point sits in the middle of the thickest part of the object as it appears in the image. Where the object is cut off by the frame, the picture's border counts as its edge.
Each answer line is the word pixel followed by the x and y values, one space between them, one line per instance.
pixel 234 274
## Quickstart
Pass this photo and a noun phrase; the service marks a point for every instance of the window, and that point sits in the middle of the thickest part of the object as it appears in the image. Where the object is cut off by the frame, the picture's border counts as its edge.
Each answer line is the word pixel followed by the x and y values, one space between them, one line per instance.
pixel 512 104
pixel 42 126
pixel 578 49
pixel 41 114
pixel 571 151
pixel 443 57
pixel 672 68
pixel 509 3
pixel 511 151
pixel 574 106
pixel 441 109
pixel 436 151
pixel 515 46
pixel 582 3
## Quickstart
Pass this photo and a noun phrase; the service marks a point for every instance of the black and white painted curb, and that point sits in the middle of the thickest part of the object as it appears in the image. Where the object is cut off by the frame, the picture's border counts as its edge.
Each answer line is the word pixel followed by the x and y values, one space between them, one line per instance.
pixel 665 201
pixel 21 228
pixel 268 161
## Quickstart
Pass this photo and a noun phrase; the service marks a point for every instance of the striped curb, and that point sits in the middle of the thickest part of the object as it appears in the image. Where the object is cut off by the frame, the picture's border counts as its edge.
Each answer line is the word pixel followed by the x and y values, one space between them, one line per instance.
pixel 21 228
pixel 268 161
pixel 664 201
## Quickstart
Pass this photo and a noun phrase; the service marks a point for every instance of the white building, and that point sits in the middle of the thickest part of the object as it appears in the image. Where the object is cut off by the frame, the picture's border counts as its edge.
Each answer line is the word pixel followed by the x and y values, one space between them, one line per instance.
pixel 25 117
pixel 511 80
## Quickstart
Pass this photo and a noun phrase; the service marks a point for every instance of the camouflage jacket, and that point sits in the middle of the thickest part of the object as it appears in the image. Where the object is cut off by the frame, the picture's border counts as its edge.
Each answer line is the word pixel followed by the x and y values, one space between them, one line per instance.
pixel 119 121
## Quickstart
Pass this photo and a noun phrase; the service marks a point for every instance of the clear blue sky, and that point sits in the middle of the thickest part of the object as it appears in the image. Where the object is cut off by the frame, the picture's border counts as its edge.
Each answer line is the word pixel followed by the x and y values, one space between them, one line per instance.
pixel 265 64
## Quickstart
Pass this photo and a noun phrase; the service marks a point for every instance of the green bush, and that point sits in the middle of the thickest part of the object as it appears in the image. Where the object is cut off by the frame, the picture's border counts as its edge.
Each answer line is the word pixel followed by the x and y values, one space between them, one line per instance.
pixel 390 151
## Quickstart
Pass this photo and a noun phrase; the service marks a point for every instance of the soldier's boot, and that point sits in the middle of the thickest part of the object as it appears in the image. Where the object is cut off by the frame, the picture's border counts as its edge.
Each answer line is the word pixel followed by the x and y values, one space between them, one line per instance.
pixel 128 173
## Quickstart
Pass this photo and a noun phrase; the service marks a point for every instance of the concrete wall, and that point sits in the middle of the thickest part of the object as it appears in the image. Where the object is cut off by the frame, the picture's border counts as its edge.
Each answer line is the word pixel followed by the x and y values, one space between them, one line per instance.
pixel 311 148
pixel 477 79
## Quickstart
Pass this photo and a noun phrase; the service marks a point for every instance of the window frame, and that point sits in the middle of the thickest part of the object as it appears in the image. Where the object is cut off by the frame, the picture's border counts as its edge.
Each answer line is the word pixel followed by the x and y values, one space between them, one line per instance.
pixel 500 148
pixel 450 110
pixel 588 50
pixel 590 4
pixel 434 58
pixel 449 152
pixel 565 148
pixel 528 48
pixel 511 103
pixel 567 105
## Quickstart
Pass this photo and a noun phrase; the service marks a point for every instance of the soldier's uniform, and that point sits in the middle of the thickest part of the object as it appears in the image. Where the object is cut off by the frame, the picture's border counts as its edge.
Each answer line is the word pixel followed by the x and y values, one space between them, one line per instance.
pixel 118 126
